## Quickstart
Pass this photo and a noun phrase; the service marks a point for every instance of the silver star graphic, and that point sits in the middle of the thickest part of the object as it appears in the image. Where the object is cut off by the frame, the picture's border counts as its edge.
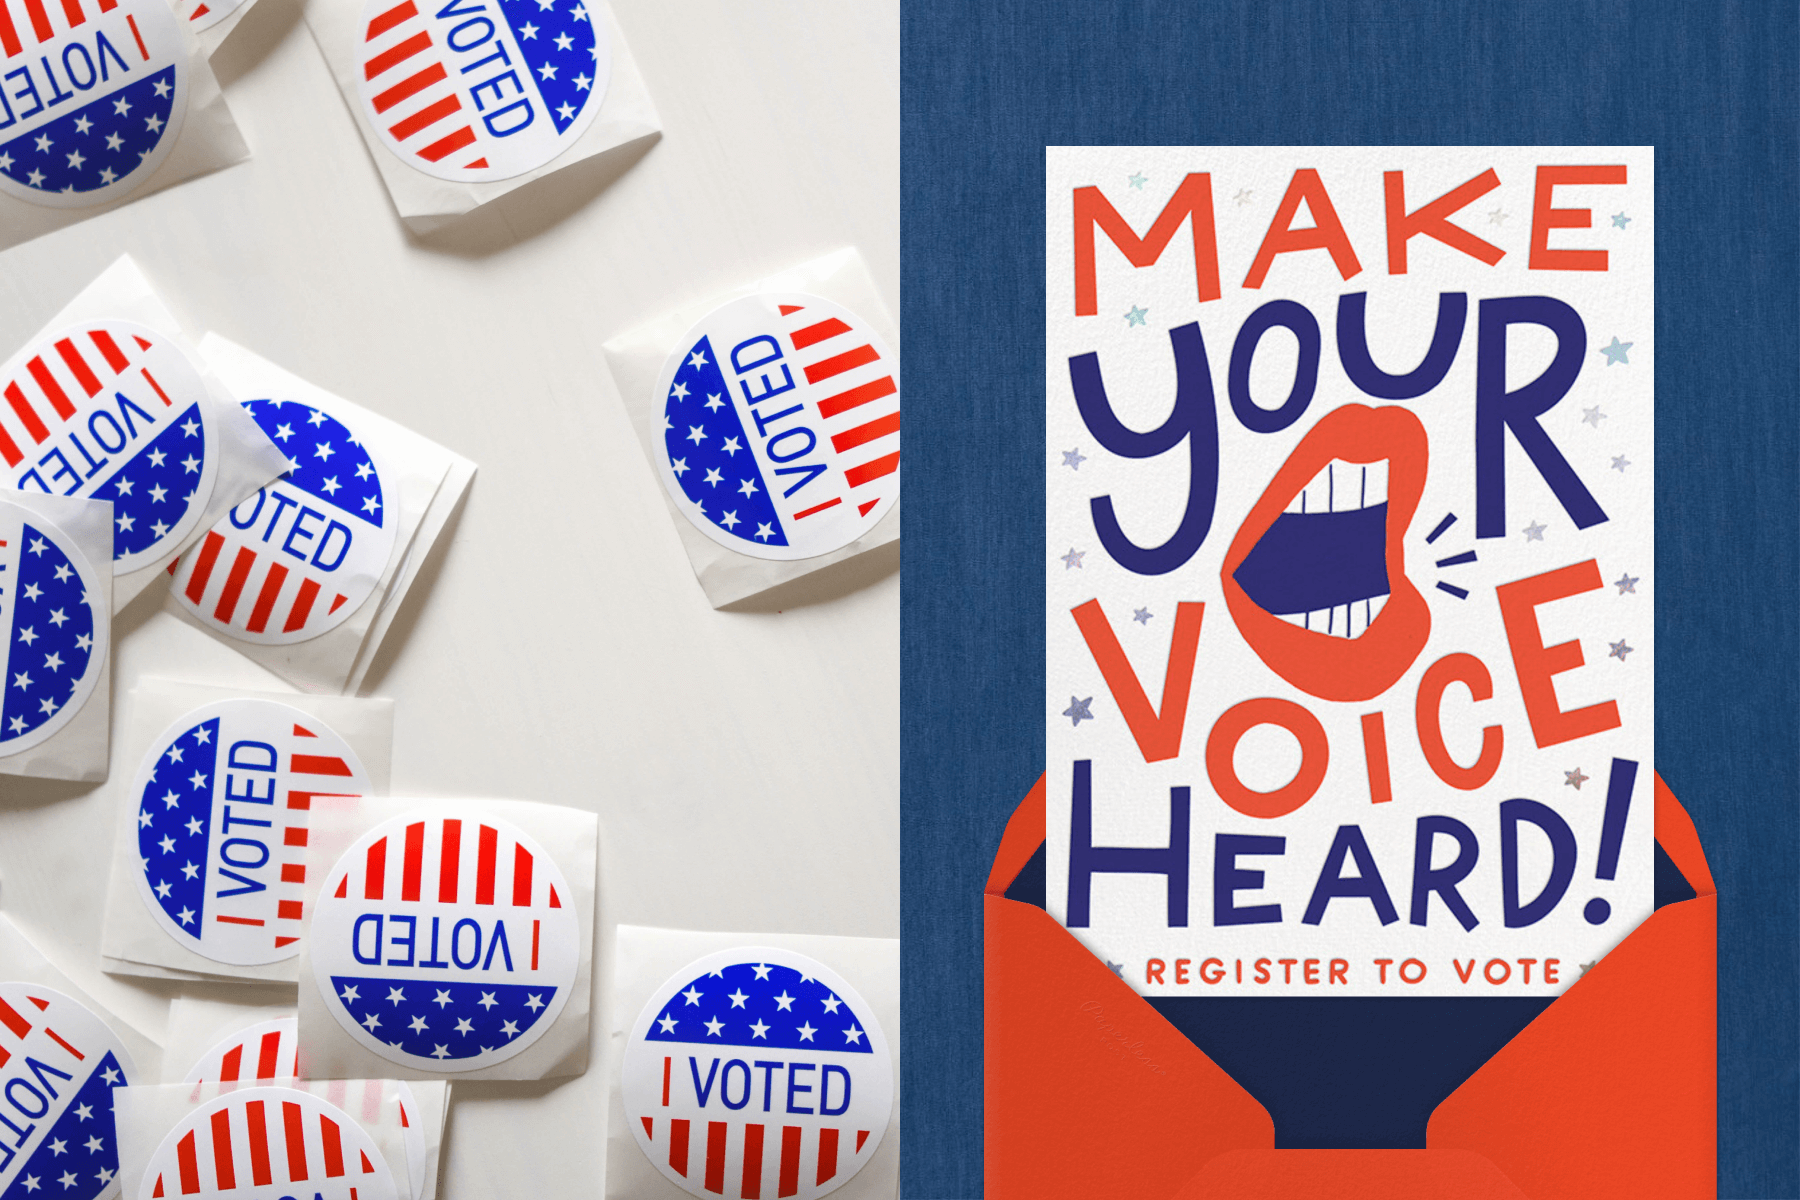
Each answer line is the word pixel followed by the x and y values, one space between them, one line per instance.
pixel 1620 220
pixel 1619 650
pixel 1615 353
pixel 1136 180
pixel 1575 778
pixel 1626 583
pixel 1073 459
pixel 1620 462
pixel 1586 966
pixel 1243 197
pixel 1592 416
pixel 1497 217
pixel 1078 710
pixel 1116 968
pixel 1142 616
pixel 1136 315
pixel 1533 532
pixel 1072 558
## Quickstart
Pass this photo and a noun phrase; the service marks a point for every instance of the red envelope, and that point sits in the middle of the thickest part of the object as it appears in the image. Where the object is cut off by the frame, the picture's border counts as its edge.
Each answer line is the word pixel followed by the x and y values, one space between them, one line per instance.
pixel 1610 1092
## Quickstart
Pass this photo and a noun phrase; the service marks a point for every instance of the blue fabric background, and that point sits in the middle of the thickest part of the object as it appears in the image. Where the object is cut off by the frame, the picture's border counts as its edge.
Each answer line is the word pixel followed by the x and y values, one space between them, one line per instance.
pixel 1711 86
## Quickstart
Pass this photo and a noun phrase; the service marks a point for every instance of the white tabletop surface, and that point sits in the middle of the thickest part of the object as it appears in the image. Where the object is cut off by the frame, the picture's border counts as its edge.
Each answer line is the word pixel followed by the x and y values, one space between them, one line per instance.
pixel 744 765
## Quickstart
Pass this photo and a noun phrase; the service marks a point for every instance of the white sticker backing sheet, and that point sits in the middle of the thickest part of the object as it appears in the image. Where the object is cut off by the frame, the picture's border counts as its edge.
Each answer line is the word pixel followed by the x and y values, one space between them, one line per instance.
pixel 215 789
pixel 461 103
pixel 771 416
pixel 65 1059
pixel 56 621
pixel 104 101
pixel 111 402
pixel 340 1139
pixel 747 1065
pixel 304 575
pixel 447 939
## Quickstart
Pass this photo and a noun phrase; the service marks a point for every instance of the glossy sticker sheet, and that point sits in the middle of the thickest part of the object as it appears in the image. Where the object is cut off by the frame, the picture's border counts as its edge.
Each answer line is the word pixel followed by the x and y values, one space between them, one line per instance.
pixel 460 103
pixel 447 939
pixel 111 402
pixel 304 575
pixel 1349 557
pixel 771 416
pixel 215 791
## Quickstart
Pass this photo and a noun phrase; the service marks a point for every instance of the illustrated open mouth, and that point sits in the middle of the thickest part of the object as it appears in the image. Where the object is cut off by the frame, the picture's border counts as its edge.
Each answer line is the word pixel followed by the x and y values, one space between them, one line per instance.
pixel 1316 577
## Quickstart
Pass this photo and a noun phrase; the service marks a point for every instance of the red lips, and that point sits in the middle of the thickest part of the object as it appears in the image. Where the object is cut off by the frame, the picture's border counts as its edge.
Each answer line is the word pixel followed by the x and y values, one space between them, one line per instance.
pixel 1335 668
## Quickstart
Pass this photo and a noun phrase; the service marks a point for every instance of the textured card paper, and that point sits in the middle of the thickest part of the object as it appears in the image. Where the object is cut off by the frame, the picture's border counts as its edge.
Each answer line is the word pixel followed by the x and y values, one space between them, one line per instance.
pixel 753 1064
pixel 772 417
pixel 449 938
pixel 300 575
pixel 1350 462
pixel 461 104
pixel 105 101
pixel 56 615
pixel 64 1058
pixel 216 788
pixel 110 402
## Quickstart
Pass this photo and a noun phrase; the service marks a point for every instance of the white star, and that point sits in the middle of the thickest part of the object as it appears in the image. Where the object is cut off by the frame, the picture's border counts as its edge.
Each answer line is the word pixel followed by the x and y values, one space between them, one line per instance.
pixel 162 890
pixel 323 450
pixel 315 417
pixel 189 870
pixel 194 825
pixel 784 1002
pixel 667 1023
pixel 46 706
pixel 59 1147
pixel 32 591
pixel 680 467
pixel 364 469
pixel 693 995
pixel 160 528
pixel 198 780
pixel 713 402
pixel 124 523
pixel 18 724
pixel 174 754
pixel 760 1030
pixel 748 487
pixel 679 393
pixel 94 1143
pixel 487 1000
pixel 350 995
pixel 417 1024
pixel 443 998
pixel 583 82
pixel 697 358
pixel 44 143
pixel 806 1032
pixel 170 799
pixel 108 175
pixel 737 998
pixel 547 71
pixel 162 88
pixel 105 1176
pixel 712 475
pixel 566 111
pixel 190 464
pixel 533 1003
pixel 114 141
pixel 395 995
pixel 37 547
pixel 696 434
pixel 713 1025
pixel 831 1004
pixel 36 178
pixel 579 13
pixel 22 679
pixel 84 641
pixel 153 124
pixel 853 1034
pixel 441 1052
pixel 731 446
pixel 372 1021
pixel 509 1028
pixel 730 520
pixel 156 458
pixel 563 42
pixel 75 159
pixel 57 617
pixel 187 916
pixel 30 1182
pixel 529 32
pixel 67 1179
pixel 167 844
pixel 370 504
pixel 331 486
pixel 463 1026
pixel 124 490
pixel 110 1075
pixel 144 819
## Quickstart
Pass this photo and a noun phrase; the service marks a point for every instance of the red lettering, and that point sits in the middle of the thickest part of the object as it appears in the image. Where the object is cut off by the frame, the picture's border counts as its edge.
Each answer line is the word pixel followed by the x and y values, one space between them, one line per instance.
pixel 1468 670
pixel 1181 970
pixel 1327 232
pixel 1192 202
pixel 1375 758
pixel 1384 964
pixel 1545 218
pixel 1433 219
pixel 1462 972
pixel 1340 970
pixel 1158 734
pixel 1153 971
pixel 1536 664
pixel 1310 970
pixel 1239 719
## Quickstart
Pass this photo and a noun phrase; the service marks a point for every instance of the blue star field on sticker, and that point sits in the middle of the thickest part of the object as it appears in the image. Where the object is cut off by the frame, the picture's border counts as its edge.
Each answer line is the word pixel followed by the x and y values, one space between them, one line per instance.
pixel 97 144
pixel 324 458
pixel 443 1020
pixel 151 494
pixel 710 453
pixel 53 637
pixel 80 1153
pixel 174 825
pixel 557 39
pixel 760 1005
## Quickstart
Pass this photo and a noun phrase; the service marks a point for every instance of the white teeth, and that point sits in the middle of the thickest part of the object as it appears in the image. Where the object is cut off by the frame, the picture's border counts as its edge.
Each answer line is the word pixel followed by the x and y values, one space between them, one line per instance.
pixel 1343 487
pixel 1347 621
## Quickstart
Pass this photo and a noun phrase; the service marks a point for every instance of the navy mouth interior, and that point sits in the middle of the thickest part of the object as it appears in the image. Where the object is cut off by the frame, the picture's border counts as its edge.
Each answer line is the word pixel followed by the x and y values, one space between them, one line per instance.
pixel 1324 571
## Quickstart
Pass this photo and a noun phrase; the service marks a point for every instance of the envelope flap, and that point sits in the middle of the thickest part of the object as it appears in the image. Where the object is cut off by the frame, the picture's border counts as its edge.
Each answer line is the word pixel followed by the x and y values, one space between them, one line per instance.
pixel 1025 832
pixel 1676 834
pixel 1349 1175
pixel 1088 1091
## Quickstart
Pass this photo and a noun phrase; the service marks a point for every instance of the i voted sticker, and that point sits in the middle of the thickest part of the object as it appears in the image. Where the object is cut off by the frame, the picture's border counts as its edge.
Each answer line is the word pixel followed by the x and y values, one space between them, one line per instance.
pixel 112 410
pixel 261 1052
pixel 58 1066
pixel 758 1072
pixel 301 555
pixel 268 1142
pixel 445 944
pixel 222 802
pixel 92 94
pixel 481 89
pixel 55 621
pixel 781 426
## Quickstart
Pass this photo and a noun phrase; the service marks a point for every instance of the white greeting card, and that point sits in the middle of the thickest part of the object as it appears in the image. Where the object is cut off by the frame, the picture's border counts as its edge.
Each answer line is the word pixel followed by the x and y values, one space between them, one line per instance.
pixel 1349 564
pixel 214 793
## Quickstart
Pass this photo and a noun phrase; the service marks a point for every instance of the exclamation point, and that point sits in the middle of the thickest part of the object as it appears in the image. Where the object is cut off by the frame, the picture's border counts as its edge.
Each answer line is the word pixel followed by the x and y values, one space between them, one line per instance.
pixel 1612 833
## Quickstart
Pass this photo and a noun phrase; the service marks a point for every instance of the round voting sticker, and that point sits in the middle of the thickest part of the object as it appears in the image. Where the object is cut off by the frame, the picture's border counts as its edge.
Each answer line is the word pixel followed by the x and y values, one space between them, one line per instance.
pixel 263 1051
pixel 222 800
pixel 54 620
pixel 475 90
pixel 445 944
pixel 57 1071
pixel 111 410
pixel 92 98
pixel 758 1072
pixel 268 1141
pixel 781 426
pixel 302 554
